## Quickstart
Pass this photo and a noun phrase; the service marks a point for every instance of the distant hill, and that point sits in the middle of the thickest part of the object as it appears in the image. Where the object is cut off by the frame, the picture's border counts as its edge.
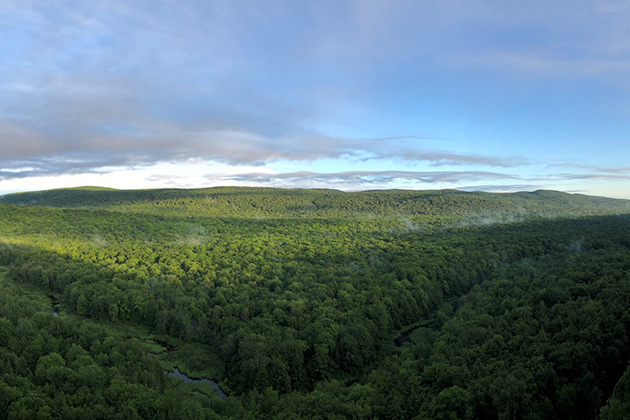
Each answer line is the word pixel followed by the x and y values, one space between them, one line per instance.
pixel 273 202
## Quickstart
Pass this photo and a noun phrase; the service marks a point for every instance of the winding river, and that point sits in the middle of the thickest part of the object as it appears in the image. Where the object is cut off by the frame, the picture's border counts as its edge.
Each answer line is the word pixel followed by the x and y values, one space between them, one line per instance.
pixel 176 373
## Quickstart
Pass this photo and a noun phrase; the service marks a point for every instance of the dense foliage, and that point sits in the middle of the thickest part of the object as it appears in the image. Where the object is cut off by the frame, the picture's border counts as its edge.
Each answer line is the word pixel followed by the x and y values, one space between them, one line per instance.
pixel 514 306
pixel 270 202
pixel 71 369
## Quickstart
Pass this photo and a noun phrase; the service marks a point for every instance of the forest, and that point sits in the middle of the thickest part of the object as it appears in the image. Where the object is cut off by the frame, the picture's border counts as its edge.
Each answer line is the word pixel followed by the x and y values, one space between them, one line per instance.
pixel 313 304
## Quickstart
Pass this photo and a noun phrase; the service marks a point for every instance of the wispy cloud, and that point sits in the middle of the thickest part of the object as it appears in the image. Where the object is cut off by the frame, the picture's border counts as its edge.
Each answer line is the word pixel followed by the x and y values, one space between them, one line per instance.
pixel 456 159
pixel 571 176
pixel 606 70
pixel 502 187
pixel 360 179
pixel 593 168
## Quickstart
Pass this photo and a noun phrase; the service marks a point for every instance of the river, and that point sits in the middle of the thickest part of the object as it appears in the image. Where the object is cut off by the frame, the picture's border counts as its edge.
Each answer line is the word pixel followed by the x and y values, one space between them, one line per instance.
pixel 176 373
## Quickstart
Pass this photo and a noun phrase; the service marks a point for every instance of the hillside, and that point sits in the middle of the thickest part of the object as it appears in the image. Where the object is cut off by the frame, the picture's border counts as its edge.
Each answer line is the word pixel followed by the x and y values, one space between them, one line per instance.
pixel 313 304
pixel 268 202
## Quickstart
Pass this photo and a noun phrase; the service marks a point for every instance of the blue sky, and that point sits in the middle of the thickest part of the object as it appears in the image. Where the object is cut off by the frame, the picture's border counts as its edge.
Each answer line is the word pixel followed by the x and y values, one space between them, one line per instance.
pixel 353 95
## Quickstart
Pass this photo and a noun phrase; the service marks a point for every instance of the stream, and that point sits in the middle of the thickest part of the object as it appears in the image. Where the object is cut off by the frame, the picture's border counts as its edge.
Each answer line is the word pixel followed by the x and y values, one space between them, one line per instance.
pixel 54 302
pixel 404 336
pixel 176 373
pixel 448 307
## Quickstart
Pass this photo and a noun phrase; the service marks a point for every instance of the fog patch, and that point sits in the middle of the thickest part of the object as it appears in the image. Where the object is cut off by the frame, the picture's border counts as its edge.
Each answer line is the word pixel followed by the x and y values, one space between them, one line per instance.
pixel 492 219
pixel 576 246
pixel 99 241
pixel 193 235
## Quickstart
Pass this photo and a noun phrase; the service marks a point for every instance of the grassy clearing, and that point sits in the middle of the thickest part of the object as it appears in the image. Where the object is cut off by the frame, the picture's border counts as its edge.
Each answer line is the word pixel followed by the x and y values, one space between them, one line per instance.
pixel 192 359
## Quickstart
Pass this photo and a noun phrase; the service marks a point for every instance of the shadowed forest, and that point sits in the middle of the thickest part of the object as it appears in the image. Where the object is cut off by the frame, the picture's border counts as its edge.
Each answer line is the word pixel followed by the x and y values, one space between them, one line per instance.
pixel 251 303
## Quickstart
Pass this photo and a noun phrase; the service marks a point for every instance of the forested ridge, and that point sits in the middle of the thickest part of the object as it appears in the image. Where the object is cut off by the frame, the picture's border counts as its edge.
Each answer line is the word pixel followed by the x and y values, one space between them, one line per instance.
pixel 314 304
pixel 273 202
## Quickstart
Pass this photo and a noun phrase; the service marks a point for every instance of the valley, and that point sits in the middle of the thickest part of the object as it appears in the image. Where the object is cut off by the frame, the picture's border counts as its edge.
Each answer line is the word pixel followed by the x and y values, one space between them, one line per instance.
pixel 269 303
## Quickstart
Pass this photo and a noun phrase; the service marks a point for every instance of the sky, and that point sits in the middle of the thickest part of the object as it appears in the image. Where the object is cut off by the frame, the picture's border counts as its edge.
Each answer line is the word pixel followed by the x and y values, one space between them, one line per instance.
pixel 490 95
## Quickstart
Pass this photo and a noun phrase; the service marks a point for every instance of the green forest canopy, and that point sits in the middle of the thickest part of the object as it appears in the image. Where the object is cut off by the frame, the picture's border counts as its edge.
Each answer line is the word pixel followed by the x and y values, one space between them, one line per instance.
pixel 511 305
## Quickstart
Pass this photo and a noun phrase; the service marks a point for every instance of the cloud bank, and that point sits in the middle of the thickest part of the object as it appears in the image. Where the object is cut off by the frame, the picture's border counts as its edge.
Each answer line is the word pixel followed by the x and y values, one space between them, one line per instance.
pixel 356 180
pixel 398 93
